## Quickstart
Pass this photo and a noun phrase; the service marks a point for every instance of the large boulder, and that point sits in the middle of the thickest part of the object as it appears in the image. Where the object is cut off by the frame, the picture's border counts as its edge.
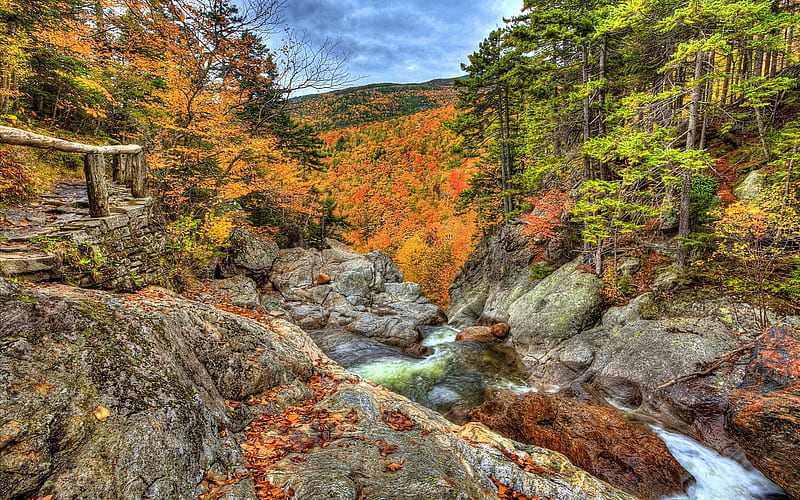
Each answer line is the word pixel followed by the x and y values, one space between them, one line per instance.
pixel 649 342
pixel 764 413
pixel 294 272
pixel 144 396
pixel 562 305
pixel 595 438
pixel 385 266
pixel 248 255
pixel 752 186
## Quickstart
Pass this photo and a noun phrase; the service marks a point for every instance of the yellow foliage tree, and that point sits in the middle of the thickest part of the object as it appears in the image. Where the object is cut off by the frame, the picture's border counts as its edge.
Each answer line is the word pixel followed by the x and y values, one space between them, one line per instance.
pixel 759 237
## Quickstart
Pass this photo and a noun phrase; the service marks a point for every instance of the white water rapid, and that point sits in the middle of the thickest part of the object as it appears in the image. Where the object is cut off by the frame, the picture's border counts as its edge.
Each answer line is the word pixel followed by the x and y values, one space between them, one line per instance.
pixel 717 477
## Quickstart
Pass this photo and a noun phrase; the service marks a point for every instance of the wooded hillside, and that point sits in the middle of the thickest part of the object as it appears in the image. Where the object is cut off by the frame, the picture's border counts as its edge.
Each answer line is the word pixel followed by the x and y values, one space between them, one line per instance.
pixel 372 103
pixel 625 126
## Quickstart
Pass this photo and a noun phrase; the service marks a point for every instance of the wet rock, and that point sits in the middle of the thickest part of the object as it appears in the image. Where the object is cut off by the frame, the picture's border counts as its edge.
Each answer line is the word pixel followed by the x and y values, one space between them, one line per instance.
pixel 764 413
pixel 421 314
pixel 479 333
pixel 391 330
pixel 163 368
pixel 248 254
pixel 597 439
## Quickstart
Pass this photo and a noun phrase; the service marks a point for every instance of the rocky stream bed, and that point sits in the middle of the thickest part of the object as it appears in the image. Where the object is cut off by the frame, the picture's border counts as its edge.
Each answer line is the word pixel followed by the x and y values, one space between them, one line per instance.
pixel 262 383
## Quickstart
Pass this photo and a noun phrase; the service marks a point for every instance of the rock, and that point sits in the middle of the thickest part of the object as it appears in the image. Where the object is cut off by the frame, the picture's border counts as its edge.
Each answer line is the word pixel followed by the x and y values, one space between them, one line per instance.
pixel 421 314
pixel 751 187
pixel 617 317
pixel 764 412
pixel 339 246
pixel 645 354
pixel 295 271
pixel 560 306
pixel 479 333
pixel 310 316
pixel 628 362
pixel 163 367
pixel 385 266
pixel 500 330
pixel 248 255
pixel 358 292
pixel 241 290
pixel 390 330
pixel 407 291
pixel 495 273
pixel 665 281
pixel 353 285
pixel 629 266
pixel 597 439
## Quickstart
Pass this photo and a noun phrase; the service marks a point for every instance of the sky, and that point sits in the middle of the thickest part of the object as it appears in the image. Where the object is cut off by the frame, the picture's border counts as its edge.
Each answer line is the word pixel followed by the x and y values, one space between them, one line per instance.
pixel 401 41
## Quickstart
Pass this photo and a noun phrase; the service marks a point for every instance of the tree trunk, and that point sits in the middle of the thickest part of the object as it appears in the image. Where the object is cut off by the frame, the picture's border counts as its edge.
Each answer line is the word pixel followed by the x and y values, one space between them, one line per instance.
pixel 95 169
pixel 587 162
pixel 684 215
pixel 505 151
pixel 120 168
pixel 726 79
pixel 605 172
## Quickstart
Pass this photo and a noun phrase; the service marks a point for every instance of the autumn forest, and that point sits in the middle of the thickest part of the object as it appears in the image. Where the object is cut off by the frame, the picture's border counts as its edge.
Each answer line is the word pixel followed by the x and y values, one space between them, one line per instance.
pixel 599 126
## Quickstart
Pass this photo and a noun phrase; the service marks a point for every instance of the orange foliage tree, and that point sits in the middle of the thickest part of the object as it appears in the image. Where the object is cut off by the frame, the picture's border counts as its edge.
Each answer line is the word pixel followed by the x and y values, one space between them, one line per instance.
pixel 192 80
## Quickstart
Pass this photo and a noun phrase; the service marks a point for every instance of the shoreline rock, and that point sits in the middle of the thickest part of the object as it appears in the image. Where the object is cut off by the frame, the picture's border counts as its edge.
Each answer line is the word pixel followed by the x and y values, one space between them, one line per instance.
pixel 622 452
pixel 764 412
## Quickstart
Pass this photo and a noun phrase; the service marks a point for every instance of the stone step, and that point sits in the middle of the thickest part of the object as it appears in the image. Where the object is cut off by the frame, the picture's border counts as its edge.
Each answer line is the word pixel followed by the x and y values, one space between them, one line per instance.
pixel 27 263
pixel 7 248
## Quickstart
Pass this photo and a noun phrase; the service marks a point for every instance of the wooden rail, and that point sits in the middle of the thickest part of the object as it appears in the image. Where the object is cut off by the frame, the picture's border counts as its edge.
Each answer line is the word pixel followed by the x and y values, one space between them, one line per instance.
pixel 129 164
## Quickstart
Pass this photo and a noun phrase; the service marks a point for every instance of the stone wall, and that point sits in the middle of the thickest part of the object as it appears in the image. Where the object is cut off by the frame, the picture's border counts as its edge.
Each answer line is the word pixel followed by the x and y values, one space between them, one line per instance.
pixel 121 251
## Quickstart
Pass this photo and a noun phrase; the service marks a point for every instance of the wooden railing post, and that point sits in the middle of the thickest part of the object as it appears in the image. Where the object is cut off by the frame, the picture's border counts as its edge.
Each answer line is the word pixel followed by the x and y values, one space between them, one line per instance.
pixel 95 169
pixel 120 170
pixel 138 175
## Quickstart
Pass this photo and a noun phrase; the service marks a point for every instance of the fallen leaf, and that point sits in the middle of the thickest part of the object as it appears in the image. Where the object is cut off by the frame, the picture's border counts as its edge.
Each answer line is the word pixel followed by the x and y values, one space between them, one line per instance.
pixel 394 467
pixel 101 413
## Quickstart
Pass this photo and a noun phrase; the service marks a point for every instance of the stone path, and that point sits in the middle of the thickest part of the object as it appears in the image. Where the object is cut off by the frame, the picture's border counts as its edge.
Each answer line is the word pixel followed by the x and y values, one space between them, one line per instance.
pixel 64 208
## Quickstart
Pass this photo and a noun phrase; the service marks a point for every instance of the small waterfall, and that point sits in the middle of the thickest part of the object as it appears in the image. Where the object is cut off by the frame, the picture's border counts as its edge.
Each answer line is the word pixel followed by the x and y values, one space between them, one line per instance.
pixel 717 477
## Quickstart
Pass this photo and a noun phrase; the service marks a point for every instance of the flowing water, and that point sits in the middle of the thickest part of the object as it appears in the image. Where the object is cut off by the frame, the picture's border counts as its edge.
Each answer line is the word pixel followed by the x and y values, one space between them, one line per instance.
pixel 717 477
pixel 458 376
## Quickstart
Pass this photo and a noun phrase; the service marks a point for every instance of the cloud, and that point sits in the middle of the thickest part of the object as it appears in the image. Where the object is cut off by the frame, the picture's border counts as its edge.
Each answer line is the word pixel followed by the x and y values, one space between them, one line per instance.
pixel 401 40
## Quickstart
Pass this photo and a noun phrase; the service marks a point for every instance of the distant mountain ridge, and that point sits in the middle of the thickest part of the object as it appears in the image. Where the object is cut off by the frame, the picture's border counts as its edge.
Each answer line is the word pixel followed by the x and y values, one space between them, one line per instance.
pixel 371 103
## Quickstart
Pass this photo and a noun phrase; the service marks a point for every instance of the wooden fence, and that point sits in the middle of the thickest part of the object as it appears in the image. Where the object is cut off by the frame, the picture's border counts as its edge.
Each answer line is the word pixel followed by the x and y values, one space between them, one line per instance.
pixel 129 166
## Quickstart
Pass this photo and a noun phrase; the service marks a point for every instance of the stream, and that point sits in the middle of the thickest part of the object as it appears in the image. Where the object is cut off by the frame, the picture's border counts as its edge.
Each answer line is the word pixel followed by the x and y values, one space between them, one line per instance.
pixel 458 376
